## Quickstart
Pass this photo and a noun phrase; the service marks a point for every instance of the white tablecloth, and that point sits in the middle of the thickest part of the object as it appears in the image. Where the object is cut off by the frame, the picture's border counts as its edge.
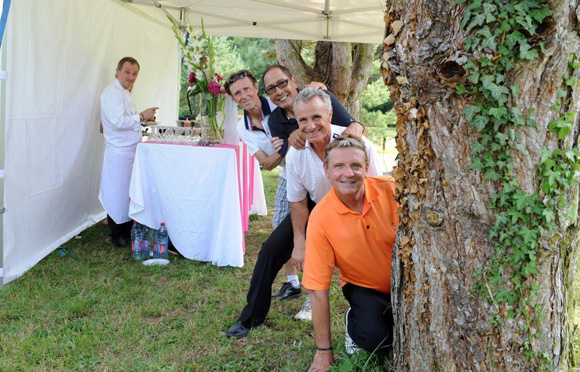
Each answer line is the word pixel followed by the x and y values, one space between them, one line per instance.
pixel 195 191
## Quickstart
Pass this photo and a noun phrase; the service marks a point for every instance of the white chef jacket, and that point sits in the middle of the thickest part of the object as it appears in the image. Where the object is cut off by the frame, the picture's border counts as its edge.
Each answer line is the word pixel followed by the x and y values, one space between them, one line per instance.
pixel 122 131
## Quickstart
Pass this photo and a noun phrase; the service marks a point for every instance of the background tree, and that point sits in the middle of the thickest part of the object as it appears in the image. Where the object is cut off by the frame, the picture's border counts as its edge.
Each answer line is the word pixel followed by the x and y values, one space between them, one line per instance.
pixel 485 95
pixel 376 108
pixel 343 67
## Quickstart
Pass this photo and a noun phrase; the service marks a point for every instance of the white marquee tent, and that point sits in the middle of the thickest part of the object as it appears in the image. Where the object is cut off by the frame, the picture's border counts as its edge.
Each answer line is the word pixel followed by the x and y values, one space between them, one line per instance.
pixel 60 54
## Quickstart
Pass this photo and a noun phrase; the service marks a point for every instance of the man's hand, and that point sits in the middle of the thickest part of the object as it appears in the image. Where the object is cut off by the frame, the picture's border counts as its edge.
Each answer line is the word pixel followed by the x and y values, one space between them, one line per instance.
pixel 149 114
pixel 355 129
pixel 297 139
pixel 316 84
pixel 277 143
pixel 298 253
pixel 322 362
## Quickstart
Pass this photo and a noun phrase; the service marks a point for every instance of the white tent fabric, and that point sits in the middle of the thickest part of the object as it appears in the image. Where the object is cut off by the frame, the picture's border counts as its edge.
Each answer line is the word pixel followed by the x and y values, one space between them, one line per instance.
pixel 358 21
pixel 61 55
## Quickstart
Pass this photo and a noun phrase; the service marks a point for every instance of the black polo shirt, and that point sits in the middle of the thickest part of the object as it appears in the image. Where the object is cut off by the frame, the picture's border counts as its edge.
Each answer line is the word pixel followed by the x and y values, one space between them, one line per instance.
pixel 281 125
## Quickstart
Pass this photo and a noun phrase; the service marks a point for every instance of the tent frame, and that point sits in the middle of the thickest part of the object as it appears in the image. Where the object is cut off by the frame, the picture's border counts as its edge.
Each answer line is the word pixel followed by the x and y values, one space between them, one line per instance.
pixel 328 17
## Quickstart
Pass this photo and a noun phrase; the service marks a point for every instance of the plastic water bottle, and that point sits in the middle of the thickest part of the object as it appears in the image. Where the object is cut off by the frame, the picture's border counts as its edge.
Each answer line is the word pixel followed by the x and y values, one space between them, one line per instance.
pixel 154 251
pixel 136 241
pixel 162 241
pixel 146 245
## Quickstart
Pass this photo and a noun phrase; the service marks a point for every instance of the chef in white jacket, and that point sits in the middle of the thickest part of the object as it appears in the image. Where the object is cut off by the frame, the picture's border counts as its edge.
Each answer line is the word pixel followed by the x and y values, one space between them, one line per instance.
pixel 122 131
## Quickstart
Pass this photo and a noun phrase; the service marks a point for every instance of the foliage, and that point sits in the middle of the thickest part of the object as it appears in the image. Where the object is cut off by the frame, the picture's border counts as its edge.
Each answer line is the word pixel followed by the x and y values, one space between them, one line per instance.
pixel 376 108
pixel 502 36
pixel 256 54
pixel 101 311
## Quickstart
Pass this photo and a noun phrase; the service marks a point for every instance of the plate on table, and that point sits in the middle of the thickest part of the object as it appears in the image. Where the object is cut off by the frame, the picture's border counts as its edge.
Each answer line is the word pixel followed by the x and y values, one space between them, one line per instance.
pixel 156 262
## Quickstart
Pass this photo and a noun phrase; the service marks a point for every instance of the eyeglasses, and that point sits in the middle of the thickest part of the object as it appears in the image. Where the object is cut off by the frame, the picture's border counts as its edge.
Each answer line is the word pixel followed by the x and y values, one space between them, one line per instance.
pixel 237 77
pixel 280 85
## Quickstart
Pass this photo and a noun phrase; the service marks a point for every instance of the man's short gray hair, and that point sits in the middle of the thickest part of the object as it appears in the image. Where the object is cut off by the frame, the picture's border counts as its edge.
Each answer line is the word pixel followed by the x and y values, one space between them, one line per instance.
pixel 307 94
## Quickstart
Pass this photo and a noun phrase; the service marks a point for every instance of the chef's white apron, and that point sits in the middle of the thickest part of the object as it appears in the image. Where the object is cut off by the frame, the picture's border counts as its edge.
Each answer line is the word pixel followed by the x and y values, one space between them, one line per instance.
pixel 115 181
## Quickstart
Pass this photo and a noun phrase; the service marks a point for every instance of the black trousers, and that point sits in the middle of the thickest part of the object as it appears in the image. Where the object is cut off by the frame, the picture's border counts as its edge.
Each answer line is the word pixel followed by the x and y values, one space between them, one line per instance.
pixel 370 320
pixel 122 230
pixel 275 252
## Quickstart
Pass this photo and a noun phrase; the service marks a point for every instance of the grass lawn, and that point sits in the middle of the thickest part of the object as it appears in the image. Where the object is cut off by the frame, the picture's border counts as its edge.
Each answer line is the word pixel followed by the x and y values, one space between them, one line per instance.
pixel 101 311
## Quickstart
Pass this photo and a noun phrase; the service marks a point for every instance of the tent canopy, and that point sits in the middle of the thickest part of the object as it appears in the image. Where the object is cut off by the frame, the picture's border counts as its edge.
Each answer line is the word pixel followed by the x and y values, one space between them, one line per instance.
pixel 333 20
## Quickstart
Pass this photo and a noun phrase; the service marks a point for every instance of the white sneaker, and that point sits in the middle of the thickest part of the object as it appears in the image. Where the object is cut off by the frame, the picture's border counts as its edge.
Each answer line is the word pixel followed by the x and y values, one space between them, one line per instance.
pixel 349 344
pixel 305 312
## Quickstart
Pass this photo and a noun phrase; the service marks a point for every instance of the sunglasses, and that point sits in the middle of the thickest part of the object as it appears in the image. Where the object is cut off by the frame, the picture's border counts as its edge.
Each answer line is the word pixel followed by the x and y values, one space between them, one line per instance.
pixel 281 85
pixel 237 77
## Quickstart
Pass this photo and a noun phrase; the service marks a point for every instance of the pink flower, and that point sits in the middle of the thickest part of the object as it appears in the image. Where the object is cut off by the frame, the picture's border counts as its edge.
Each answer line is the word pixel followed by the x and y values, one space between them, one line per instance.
pixel 214 88
pixel 191 77
pixel 218 77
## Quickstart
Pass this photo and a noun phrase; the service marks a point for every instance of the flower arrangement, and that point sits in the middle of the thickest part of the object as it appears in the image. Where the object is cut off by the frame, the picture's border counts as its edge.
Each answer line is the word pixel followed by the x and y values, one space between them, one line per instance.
pixel 199 58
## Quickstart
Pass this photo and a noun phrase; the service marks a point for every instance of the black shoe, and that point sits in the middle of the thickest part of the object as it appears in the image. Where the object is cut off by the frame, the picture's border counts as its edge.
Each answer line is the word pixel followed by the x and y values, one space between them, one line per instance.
pixel 237 330
pixel 287 292
pixel 121 242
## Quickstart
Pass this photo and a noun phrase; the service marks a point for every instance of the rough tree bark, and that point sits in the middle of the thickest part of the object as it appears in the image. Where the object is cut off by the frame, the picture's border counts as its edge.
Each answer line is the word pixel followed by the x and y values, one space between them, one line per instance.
pixel 441 324
pixel 343 67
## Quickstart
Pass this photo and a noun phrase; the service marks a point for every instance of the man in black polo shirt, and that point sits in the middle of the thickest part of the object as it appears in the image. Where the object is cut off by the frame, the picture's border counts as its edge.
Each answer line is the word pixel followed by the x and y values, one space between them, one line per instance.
pixel 282 89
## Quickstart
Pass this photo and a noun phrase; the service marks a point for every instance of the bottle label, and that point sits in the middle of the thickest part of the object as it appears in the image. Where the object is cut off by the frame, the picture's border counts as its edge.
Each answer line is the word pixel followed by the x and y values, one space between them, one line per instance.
pixel 136 246
pixel 162 249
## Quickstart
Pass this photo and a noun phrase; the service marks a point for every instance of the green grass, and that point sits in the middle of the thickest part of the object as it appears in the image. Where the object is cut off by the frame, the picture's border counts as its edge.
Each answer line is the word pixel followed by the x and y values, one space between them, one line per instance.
pixel 101 311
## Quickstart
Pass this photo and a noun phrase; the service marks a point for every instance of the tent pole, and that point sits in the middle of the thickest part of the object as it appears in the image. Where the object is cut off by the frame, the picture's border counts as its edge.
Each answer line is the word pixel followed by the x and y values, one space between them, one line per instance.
pixel 3 59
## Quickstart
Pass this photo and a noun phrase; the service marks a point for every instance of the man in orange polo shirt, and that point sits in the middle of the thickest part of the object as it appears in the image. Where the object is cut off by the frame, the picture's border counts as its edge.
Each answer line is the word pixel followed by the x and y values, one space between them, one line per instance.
pixel 353 228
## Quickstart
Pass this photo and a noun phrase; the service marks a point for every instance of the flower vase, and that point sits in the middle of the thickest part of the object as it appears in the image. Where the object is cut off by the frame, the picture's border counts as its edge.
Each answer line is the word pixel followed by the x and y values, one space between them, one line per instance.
pixel 216 134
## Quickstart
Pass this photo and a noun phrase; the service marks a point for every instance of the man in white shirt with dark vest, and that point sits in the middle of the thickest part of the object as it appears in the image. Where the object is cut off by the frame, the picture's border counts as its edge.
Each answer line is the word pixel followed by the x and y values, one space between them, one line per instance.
pixel 122 131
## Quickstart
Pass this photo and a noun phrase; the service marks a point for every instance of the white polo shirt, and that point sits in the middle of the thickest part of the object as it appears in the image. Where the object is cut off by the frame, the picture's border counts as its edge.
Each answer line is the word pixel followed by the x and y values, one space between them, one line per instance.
pixel 305 170
pixel 256 139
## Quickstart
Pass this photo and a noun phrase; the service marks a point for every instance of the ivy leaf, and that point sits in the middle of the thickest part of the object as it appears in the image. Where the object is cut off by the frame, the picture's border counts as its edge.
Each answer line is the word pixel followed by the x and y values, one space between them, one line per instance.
pixel 470 111
pixel 527 53
pixel 489 9
pixel 498 112
pixel 480 122
pixel 561 93
pixel 460 89
pixel 473 78
pixel 498 92
pixel 540 14
pixel 502 138
pixel 491 174
pixel 476 163
pixel 571 81
pixel 477 147
pixel 470 65
pixel 476 21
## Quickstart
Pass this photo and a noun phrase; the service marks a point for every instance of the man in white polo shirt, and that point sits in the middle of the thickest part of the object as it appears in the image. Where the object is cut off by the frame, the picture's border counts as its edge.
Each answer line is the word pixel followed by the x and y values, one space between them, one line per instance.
pixel 305 168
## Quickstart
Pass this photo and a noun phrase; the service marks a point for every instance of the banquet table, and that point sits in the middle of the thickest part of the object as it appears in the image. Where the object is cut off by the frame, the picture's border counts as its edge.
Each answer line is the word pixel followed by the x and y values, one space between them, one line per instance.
pixel 204 194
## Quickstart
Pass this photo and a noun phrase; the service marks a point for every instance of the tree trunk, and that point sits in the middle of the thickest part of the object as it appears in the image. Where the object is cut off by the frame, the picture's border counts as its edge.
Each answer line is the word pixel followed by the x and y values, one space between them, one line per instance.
pixel 343 67
pixel 442 324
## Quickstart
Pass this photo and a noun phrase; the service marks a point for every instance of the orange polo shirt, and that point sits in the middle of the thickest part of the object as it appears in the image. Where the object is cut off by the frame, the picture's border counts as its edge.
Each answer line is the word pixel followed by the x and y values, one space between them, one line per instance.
pixel 360 245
